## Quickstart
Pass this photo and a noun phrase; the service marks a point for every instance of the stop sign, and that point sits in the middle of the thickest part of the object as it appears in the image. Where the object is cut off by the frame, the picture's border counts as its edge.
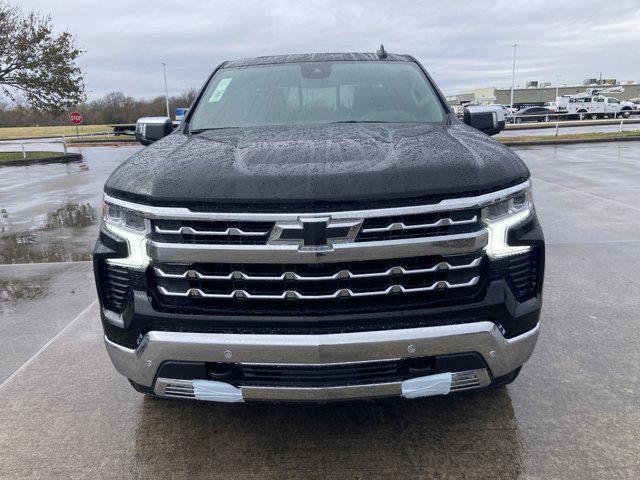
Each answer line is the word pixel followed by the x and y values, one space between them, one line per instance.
pixel 76 118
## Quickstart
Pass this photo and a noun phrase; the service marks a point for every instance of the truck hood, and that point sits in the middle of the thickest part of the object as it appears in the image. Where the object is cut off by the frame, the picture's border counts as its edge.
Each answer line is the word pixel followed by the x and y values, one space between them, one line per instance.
pixel 335 164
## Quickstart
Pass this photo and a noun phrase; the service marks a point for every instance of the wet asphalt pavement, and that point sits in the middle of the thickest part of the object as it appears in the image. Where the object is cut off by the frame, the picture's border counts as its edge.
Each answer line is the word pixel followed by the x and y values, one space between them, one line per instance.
pixel 574 412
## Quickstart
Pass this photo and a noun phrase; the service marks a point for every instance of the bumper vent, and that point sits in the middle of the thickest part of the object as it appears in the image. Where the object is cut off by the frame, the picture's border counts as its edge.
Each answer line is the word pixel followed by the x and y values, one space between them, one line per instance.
pixel 522 273
pixel 116 287
pixel 117 283
pixel 320 375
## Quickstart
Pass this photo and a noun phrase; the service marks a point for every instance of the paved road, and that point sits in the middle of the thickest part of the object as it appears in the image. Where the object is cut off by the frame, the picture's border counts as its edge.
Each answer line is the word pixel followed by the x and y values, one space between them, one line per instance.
pixel 573 413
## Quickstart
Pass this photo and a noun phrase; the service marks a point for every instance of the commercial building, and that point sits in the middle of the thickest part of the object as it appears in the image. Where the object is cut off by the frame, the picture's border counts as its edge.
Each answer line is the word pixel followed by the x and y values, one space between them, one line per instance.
pixel 535 95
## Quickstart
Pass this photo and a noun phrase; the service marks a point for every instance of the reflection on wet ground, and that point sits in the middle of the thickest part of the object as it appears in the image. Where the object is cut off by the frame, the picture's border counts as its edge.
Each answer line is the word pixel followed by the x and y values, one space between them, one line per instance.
pixel 48 213
pixel 19 289
pixel 64 237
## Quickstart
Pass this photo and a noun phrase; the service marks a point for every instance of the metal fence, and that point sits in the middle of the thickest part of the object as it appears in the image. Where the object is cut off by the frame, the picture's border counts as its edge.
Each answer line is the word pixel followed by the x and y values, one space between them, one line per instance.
pixel 564 116
pixel 63 142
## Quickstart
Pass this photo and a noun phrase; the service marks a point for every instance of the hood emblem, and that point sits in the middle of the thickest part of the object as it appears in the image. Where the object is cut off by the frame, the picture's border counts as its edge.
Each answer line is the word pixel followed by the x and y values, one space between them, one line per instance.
pixel 315 233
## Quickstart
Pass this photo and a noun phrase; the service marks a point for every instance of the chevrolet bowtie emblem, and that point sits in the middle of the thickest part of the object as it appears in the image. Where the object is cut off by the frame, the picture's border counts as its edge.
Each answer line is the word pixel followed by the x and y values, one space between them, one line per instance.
pixel 314 233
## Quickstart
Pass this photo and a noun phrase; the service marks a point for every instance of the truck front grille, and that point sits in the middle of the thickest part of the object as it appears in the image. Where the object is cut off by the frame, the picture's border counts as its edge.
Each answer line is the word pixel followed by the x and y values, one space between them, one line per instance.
pixel 386 227
pixel 295 288
pixel 283 264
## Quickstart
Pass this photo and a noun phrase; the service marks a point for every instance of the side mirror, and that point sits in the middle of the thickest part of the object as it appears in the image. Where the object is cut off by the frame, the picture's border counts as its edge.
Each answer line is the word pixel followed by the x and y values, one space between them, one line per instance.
pixel 152 129
pixel 488 119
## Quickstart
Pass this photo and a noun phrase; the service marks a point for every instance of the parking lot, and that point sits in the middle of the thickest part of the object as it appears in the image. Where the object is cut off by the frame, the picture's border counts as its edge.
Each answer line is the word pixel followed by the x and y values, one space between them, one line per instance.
pixel 573 412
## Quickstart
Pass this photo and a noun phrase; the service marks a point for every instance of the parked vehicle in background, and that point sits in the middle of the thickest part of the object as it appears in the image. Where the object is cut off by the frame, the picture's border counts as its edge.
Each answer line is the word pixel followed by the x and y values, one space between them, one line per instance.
pixel 505 108
pixel 531 114
pixel 593 105
pixel 320 227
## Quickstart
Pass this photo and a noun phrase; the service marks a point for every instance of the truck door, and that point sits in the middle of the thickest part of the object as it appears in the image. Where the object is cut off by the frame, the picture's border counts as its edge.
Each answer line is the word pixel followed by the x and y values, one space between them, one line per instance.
pixel 599 105
pixel 613 105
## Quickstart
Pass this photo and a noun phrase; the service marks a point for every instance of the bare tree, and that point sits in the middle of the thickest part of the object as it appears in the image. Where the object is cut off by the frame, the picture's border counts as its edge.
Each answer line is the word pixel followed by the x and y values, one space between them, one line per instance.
pixel 38 63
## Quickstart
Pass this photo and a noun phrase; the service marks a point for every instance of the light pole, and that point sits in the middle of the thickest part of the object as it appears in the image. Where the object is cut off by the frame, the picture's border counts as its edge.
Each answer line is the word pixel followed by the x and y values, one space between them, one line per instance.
pixel 557 87
pixel 513 73
pixel 166 93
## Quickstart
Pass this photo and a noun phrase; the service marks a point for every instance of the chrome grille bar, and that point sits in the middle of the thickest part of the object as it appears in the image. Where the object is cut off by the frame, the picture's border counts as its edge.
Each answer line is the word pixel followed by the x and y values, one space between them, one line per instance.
pixel 237 275
pixel 342 293
pixel 443 222
pixel 193 231
pixel 181 213
pixel 343 252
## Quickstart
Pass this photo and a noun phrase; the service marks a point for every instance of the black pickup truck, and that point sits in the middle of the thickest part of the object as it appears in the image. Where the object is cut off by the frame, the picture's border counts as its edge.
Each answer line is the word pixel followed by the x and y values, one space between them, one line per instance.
pixel 320 227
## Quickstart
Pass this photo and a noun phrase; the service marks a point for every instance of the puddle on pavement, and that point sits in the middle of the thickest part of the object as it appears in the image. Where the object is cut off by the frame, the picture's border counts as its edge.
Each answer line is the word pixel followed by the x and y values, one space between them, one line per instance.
pixel 19 289
pixel 65 236
pixel 49 213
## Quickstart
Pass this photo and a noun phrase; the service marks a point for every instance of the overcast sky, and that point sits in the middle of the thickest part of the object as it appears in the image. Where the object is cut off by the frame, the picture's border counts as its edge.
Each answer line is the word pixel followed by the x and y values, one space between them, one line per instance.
pixel 464 44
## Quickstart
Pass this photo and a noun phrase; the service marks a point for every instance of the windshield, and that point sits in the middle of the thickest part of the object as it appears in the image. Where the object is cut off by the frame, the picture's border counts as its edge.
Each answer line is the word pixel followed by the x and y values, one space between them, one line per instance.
pixel 320 92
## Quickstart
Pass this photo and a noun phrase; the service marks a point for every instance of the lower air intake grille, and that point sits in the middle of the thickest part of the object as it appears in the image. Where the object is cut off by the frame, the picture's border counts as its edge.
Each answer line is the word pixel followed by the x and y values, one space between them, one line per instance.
pixel 522 273
pixel 326 375
pixel 116 287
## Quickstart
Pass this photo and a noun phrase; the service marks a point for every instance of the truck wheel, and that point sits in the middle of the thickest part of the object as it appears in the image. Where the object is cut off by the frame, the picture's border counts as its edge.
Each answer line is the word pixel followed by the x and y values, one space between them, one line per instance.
pixel 593 116
pixel 625 113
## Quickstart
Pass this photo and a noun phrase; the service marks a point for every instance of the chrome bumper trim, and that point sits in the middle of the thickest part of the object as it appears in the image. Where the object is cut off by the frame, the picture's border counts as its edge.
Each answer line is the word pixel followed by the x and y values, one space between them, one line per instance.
pixel 345 252
pixel 185 389
pixel 179 213
pixel 502 355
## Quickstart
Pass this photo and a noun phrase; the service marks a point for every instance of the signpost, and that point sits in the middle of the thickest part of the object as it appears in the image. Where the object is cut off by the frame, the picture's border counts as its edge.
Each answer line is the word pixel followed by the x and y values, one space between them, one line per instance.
pixel 76 118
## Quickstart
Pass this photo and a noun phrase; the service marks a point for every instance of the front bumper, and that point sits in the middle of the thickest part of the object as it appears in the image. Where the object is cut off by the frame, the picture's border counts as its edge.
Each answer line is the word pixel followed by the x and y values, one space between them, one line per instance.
pixel 501 356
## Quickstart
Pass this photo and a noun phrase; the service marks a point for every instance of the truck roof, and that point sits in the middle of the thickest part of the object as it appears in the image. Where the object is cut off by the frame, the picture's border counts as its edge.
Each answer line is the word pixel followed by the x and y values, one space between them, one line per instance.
pixel 316 57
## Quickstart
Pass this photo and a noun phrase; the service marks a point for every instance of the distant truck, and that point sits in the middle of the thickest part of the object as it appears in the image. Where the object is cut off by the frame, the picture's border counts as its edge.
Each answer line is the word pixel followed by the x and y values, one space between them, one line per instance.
pixel 593 105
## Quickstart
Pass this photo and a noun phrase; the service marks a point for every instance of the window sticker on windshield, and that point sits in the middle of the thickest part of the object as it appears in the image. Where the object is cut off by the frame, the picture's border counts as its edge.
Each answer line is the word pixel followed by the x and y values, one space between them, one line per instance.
pixel 219 91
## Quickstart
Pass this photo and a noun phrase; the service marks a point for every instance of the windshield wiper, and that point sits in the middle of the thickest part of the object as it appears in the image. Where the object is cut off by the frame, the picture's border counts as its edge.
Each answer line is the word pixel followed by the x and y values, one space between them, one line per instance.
pixel 200 130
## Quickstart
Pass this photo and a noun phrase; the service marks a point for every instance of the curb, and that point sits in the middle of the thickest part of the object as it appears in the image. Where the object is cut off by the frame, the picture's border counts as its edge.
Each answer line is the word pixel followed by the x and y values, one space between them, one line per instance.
pixel 569 141
pixel 63 158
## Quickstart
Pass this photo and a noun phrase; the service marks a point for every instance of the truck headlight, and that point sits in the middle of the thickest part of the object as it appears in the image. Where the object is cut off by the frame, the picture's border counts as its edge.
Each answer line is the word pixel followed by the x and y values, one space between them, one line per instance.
pixel 132 227
pixel 500 217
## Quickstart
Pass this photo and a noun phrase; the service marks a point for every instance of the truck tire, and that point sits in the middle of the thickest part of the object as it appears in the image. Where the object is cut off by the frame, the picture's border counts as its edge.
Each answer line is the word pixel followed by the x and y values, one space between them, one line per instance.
pixel 626 113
